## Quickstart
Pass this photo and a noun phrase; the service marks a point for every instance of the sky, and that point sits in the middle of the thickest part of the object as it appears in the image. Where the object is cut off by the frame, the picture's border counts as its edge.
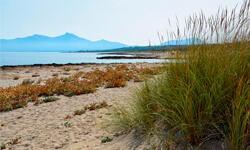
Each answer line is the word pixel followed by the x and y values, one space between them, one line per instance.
pixel 132 22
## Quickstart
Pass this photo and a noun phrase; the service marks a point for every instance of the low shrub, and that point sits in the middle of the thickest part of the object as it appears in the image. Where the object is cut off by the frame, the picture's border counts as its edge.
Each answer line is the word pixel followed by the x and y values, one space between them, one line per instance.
pixel 67 69
pixel 16 77
pixel 27 81
pixel 75 84
pixel 79 112
pixel 55 74
pixel 49 99
pixel 35 75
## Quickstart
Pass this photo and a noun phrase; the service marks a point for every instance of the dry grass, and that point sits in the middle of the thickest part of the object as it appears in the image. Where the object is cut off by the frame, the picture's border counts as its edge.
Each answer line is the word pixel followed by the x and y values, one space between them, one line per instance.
pixel 16 77
pixel 35 75
pixel 205 96
pixel 76 84
pixel 55 74
pixel 67 69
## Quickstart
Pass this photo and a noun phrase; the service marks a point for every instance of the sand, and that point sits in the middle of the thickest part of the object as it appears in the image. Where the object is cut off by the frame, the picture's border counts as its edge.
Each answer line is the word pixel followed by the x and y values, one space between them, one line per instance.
pixel 43 126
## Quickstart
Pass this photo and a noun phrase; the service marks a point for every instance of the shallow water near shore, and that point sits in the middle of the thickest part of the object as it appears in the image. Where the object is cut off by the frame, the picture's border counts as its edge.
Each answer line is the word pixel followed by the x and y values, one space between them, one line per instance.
pixel 30 58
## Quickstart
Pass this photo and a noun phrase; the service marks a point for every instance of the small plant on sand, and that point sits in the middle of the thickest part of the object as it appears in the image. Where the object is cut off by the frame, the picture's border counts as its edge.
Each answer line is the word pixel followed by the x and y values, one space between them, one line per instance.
pixel 35 75
pixel 67 117
pixel 115 78
pixel 39 80
pixel 77 69
pixel 16 77
pixel 103 104
pixel 138 79
pixel 79 112
pixel 106 139
pixel 121 67
pixel 3 146
pixel 92 106
pixel 67 69
pixel 49 99
pixel 55 74
pixel 86 132
pixel 66 73
pixel 67 124
pixel 15 141
pixel 27 81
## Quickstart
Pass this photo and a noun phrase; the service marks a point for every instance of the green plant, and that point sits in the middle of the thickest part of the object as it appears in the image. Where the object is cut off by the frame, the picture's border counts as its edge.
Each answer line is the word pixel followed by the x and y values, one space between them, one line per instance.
pixel 20 106
pixel 67 80
pixel 87 132
pixel 3 146
pixel 205 93
pixel 97 106
pixel 103 104
pixel 49 99
pixel 127 78
pixel 27 81
pixel 67 124
pixel 55 74
pixel 70 94
pixel 39 80
pixel 106 139
pixel 97 85
pixel 16 77
pixel 79 112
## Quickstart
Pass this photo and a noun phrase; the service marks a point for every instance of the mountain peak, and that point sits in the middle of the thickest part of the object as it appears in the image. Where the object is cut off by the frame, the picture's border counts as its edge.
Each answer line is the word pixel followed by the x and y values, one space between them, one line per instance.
pixel 62 43
pixel 102 40
pixel 35 36
pixel 68 36
pixel 67 33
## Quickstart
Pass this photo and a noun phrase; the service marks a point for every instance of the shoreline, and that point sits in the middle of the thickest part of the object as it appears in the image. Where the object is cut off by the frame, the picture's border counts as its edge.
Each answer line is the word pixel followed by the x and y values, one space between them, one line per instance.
pixel 141 55
pixel 69 64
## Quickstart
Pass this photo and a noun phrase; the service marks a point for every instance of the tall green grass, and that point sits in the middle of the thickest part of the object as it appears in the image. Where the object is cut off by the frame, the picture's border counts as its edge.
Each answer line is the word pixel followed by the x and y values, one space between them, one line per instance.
pixel 204 96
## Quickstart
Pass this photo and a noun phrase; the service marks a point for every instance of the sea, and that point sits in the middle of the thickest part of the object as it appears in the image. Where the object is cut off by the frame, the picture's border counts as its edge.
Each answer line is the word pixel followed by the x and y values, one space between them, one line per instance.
pixel 31 58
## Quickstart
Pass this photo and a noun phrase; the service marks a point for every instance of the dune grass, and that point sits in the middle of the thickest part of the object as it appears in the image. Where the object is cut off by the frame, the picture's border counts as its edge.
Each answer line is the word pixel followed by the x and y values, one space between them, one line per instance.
pixel 204 97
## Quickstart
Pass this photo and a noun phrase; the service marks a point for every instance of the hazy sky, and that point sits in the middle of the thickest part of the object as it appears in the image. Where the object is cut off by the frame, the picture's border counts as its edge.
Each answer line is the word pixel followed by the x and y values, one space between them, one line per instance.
pixel 131 22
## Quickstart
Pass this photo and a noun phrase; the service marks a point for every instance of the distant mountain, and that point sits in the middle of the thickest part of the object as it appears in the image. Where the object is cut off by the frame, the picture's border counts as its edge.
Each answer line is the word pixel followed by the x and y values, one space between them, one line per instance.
pixel 184 42
pixel 166 46
pixel 63 43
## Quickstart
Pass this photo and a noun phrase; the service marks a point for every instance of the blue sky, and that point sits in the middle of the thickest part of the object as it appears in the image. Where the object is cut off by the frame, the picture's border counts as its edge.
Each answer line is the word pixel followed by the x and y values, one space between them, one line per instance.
pixel 132 22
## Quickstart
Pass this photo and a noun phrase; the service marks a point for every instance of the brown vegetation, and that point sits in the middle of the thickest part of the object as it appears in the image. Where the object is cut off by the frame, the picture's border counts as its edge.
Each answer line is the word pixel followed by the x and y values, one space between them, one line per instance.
pixel 16 77
pixel 76 84
pixel 35 75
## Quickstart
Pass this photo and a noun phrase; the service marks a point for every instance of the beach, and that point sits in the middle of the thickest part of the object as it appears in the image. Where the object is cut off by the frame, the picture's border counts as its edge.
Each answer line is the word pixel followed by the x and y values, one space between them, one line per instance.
pixel 55 125
pixel 44 126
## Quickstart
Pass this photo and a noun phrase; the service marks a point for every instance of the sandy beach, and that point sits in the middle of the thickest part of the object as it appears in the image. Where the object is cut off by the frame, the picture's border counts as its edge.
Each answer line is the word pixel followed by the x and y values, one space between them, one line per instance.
pixel 54 125
pixel 44 126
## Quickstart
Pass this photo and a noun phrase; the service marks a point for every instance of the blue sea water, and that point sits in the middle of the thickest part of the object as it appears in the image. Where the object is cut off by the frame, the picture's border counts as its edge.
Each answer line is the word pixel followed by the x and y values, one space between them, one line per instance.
pixel 30 58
